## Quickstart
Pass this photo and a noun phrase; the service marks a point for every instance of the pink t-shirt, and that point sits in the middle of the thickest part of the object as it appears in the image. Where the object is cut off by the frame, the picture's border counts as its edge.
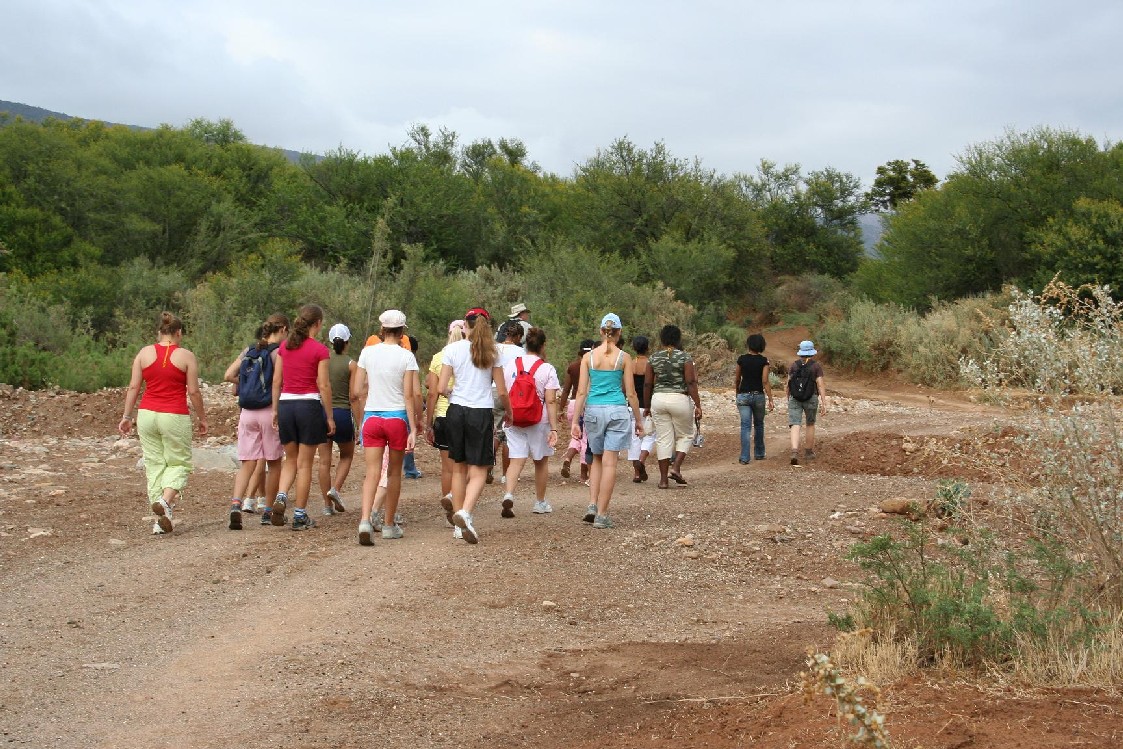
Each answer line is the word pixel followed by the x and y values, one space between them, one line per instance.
pixel 298 373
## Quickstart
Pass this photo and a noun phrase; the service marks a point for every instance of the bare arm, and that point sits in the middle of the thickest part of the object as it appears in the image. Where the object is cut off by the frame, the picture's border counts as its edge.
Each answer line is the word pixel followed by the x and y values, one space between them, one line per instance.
pixel 582 396
pixel 822 388
pixel 631 397
pixel 501 393
pixel 411 391
pixel 552 414
pixel 648 385
pixel 691 377
pixel 767 385
pixel 232 371
pixel 443 380
pixel 131 395
pixel 737 379
pixel 323 384
pixel 278 371
pixel 194 394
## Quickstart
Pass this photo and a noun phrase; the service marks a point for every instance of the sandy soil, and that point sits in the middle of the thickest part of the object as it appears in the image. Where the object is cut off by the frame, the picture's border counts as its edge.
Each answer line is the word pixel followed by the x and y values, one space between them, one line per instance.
pixel 684 626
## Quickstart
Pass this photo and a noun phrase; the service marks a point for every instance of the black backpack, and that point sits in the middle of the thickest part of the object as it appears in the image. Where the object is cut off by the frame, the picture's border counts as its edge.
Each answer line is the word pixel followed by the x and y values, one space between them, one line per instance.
pixel 801 385
pixel 255 378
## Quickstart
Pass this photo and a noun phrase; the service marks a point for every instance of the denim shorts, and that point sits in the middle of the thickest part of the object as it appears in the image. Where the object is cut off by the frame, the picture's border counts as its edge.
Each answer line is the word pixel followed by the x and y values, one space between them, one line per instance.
pixel 608 428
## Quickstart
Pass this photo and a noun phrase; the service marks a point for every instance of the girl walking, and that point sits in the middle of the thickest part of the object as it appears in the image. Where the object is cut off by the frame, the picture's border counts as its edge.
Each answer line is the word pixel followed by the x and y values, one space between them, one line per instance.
pixel 754 397
pixel 170 375
pixel 670 385
pixel 535 441
pixel 436 409
pixel 341 371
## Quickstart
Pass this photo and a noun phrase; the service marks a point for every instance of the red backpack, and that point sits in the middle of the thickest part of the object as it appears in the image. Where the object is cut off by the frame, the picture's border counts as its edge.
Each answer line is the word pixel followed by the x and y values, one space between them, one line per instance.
pixel 526 407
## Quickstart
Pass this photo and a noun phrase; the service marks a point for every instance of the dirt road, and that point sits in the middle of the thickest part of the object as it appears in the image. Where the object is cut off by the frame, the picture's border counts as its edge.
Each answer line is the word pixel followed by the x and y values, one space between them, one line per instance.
pixel 684 626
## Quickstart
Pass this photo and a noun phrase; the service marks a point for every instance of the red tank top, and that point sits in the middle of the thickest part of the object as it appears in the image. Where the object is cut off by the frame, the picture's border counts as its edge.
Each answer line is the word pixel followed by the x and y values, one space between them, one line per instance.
pixel 165 384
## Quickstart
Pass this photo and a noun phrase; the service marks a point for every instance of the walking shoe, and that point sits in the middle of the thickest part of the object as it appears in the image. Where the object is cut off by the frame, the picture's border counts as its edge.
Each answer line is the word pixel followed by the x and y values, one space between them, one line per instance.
pixel 390 532
pixel 565 469
pixel 267 516
pixel 328 510
pixel 336 500
pixel 542 507
pixel 809 455
pixel 158 531
pixel 261 506
pixel 366 534
pixel 376 519
pixel 602 521
pixel 590 514
pixel 503 480
pixel 457 533
pixel 508 510
pixel 446 504
pixel 235 515
pixel 491 475
pixel 414 475
pixel 301 522
pixel 280 504
pixel 247 504
pixel 795 457
pixel 463 521
pixel 163 512
pixel 398 519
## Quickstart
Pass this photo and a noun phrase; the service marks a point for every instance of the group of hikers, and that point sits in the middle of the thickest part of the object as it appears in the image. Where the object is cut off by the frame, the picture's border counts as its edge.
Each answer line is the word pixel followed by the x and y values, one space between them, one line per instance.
pixel 490 399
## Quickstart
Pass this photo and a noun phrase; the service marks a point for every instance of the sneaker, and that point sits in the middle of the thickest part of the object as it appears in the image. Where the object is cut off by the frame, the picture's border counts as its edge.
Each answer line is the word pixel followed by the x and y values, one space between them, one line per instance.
pixel 508 510
pixel 163 512
pixel 565 472
pixel 158 531
pixel 336 500
pixel 328 510
pixel 261 506
pixel 390 532
pixel 267 516
pixel 457 533
pixel 414 475
pixel 302 522
pixel 795 457
pixel 463 521
pixel 280 504
pixel 235 515
pixel 366 534
pixel 602 521
pixel 503 480
pixel 446 504
pixel 809 455
pixel 398 519
pixel 590 514
pixel 377 519
pixel 247 504
pixel 542 507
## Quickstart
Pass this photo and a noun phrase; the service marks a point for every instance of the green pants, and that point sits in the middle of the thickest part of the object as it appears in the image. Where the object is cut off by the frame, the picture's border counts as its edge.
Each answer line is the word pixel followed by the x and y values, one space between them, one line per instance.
pixel 165 440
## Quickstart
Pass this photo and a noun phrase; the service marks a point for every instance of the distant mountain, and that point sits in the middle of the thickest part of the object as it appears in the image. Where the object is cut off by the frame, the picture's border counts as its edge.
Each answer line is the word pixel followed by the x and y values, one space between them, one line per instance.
pixel 38 114
pixel 871 232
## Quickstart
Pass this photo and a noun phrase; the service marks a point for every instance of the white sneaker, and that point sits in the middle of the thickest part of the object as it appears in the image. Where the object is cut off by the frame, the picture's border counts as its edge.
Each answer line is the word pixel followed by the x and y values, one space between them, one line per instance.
pixel 336 500
pixel 328 510
pixel 163 512
pixel 508 510
pixel 392 531
pixel 542 507
pixel 366 534
pixel 398 519
pixel 158 531
pixel 457 533
pixel 376 519
pixel 463 521
pixel 261 504
pixel 502 479
pixel 247 504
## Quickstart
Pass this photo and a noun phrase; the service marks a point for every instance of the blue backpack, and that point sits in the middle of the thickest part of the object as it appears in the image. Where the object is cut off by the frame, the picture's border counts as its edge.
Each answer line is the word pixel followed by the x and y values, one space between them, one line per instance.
pixel 255 378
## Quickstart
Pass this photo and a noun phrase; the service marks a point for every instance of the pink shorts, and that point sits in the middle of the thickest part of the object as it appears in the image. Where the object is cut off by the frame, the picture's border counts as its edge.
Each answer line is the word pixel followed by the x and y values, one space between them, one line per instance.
pixel 257 438
pixel 380 432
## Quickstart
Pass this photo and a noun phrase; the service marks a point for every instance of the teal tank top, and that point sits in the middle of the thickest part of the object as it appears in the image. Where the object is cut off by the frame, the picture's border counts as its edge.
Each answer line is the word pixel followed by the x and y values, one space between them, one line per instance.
pixel 606 386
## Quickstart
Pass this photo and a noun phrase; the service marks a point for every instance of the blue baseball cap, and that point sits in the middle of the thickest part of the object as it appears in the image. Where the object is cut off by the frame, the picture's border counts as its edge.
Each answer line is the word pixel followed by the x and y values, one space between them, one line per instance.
pixel 611 320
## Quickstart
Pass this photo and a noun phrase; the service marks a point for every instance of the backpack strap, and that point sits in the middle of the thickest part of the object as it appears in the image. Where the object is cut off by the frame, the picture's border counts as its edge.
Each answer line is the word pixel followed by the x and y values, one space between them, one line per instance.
pixel 519 366
pixel 619 358
pixel 534 367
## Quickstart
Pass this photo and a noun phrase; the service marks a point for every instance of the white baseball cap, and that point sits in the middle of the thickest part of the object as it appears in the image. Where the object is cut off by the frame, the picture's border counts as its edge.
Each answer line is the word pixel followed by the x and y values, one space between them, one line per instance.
pixel 340 331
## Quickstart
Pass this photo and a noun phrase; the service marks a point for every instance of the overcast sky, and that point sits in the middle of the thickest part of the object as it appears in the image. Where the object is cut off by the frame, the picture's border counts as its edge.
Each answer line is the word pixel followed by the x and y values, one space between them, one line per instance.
pixel 843 83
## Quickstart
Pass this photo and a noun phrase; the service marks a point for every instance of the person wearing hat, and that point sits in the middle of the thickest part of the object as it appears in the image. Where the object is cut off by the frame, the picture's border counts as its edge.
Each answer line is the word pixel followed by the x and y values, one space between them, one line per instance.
pixel 469 368
pixel 519 314
pixel 436 409
pixel 341 370
pixel 604 397
pixel 387 378
pixel 809 409
pixel 577 444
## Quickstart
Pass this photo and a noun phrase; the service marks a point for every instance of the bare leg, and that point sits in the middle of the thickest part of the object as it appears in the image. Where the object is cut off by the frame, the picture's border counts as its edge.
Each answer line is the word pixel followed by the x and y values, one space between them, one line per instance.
pixel 476 478
pixel 459 485
pixel 372 458
pixel 324 473
pixel 664 467
pixel 393 485
pixel 306 455
pixel 606 480
pixel 272 481
pixel 346 457
pixel 809 441
pixel 256 486
pixel 541 476
pixel 243 478
pixel 514 468
pixel 447 467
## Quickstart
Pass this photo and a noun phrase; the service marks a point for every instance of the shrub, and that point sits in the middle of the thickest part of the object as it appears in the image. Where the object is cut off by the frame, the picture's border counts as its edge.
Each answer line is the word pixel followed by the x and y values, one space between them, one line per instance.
pixel 867 337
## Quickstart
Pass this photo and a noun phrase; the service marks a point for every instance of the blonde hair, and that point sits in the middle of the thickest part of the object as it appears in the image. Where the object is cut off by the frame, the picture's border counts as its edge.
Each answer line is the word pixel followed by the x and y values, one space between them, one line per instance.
pixel 456 332
pixel 484 352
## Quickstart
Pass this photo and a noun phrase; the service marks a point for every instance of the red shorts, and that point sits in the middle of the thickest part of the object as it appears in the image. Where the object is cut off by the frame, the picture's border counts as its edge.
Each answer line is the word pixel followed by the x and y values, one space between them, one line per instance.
pixel 383 432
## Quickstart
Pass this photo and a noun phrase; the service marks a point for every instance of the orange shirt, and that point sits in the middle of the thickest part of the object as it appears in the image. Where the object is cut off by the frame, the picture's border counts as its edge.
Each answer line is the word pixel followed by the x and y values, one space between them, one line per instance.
pixel 374 340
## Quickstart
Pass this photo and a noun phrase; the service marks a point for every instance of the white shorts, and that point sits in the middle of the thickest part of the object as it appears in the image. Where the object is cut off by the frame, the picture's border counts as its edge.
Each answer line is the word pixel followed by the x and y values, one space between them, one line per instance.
pixel 644 443
pixel 529 442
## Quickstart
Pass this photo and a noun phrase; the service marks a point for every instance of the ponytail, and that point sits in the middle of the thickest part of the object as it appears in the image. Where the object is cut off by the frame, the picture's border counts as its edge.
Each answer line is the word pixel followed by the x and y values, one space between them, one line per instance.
pixel 484 352
pixel 169 324
pixel 273 324
pixel 306 318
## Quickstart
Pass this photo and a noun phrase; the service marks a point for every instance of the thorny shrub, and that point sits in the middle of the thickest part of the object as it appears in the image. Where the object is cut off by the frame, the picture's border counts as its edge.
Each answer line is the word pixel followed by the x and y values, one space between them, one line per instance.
pixel 824 677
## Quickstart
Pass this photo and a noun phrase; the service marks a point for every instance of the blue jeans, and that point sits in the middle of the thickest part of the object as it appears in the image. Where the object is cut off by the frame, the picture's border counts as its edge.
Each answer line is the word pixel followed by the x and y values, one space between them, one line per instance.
pixel 751 406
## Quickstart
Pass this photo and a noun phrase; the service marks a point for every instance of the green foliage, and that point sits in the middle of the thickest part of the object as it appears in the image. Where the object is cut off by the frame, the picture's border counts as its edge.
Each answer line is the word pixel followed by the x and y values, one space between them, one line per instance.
pixel 868 336
pixel 1087 246
pixel 898 182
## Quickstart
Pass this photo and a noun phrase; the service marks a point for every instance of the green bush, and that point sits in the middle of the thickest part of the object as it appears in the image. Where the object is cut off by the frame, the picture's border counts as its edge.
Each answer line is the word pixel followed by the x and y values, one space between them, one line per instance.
pixel 868 337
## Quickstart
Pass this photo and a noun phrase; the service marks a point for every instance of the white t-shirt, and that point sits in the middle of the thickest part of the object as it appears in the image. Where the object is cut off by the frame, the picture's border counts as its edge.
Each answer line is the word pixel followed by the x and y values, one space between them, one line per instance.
pixel 545 378
pixel 472 388
pixel 386 365
pixel 508 352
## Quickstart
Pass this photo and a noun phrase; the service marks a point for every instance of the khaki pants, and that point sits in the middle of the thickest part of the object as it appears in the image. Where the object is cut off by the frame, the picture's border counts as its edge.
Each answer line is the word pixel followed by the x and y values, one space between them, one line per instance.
pixel 673 414
pixel 165 440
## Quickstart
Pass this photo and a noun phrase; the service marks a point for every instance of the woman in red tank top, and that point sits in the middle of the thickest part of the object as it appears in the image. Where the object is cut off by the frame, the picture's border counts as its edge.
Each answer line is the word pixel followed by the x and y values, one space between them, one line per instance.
pixel 170 375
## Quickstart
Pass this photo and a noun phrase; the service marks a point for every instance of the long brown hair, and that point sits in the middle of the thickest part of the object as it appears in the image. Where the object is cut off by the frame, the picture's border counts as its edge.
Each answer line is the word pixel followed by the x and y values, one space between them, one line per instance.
pixel 484 352
pixel 308 316
pixel 274 323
